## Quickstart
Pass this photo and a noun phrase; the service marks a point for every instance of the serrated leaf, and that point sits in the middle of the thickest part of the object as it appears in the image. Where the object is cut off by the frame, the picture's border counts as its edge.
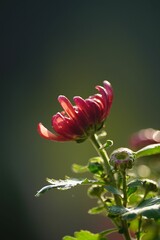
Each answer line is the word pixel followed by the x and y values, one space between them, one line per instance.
pixel 149 212
pixel 149 208
pixel 84 235
pixel 68 238
pixel 148 150
pixel 64 184
pixel 149 202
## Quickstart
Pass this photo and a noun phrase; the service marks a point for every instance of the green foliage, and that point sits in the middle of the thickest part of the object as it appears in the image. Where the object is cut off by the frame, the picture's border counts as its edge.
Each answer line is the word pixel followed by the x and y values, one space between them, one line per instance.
pixel 96 210
pixel 115 211
pixel 79 168
pixel 113 190
pixel 85 235
pixel 147 184
pixel 149 208
pixel 95 167
pixel 108 144
pixel 148 150
pixel 64 184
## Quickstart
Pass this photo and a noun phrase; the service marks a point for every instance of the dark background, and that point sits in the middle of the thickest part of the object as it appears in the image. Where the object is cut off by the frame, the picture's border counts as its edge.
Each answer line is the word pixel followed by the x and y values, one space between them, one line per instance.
pixel 67 47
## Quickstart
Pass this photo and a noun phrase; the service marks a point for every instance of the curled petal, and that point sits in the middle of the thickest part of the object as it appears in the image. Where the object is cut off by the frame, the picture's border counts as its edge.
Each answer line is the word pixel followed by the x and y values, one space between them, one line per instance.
pixel 71 112
pixel 109 90
pixel 84 108
pixel 105 100
pixel 65 126
pixel 45 133
pixel 95 111
pixel 67 106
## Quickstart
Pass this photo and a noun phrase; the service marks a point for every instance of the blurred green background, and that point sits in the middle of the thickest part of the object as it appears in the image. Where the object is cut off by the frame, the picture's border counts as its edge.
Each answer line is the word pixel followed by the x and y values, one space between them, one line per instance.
pixel 67 47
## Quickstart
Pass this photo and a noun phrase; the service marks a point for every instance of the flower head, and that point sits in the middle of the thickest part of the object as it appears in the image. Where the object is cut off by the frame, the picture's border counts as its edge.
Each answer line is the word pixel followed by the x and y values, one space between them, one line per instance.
pixel 81 120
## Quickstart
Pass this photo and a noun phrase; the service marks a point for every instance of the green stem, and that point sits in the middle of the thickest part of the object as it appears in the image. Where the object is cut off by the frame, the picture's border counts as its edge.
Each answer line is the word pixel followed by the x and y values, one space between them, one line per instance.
pixel 140 218
pixel 139 227
pixel 103 154
pixel 124 188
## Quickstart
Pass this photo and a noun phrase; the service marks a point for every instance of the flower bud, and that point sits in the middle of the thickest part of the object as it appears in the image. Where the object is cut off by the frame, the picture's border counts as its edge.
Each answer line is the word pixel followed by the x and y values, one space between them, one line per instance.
pixel 122 158
pixel 150 185
pixel 95 191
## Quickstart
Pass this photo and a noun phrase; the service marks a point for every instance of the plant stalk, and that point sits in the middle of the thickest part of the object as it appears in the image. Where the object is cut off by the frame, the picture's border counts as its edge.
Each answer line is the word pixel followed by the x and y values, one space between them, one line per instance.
pixel 103 154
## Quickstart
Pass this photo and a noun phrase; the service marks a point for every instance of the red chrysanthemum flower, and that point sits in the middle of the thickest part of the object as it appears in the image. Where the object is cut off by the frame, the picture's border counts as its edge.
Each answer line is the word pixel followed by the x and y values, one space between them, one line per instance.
pixel 82 120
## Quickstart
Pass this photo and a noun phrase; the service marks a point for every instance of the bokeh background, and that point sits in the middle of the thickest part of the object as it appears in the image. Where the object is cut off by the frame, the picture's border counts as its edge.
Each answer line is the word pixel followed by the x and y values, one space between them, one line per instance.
pixel 67 47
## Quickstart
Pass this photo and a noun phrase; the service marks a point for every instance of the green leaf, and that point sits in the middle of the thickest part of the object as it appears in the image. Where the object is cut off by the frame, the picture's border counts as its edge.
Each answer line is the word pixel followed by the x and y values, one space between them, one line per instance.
pixel 96 159
pixel 149 202
pixel 113 190
pixel 79 168
pixel 149 208
pixel 64 184
pixel 149 212
pixel 148 150
pixel 116 210
pixel 109 143
pixel 68 238
pixel 84 235
pixel 107 232
pixel 96 210
pixel 147 184
pixel 135 183
pixel 95 167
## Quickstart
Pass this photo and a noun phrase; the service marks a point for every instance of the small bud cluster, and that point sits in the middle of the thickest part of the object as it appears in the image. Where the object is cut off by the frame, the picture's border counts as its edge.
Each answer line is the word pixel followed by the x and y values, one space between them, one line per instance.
pixel 122 158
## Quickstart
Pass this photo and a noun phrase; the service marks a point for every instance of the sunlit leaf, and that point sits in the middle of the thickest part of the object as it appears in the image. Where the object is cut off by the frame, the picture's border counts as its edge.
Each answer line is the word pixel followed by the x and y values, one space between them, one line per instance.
pixel 147 184
pixel 148 150
pixel 96 210
pixel 149 208
pixel 85 235
pixel 64 184
pixel 149 202
pixel 135 183
pixel 79 168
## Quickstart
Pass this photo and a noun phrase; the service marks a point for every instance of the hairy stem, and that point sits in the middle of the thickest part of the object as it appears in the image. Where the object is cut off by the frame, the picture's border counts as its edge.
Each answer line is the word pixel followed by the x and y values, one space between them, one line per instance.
pixel 124 188
pixel 103 154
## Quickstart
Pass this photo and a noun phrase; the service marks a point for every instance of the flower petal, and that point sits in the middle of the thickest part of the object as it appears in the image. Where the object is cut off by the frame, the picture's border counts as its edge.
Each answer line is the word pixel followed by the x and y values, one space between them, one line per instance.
pixel 67 106
pixel 65 126
pixel 94 110
pixel 82 110
pixel 45 133
pixel 109 90
pixel 105 100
